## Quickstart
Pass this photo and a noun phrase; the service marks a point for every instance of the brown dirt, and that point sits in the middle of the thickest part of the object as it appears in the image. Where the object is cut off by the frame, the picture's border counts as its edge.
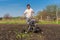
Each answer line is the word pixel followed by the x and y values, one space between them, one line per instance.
pixel 50 32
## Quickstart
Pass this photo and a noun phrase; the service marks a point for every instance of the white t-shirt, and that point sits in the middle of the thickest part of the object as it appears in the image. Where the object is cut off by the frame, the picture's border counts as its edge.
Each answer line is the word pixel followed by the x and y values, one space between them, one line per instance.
pixel 28 13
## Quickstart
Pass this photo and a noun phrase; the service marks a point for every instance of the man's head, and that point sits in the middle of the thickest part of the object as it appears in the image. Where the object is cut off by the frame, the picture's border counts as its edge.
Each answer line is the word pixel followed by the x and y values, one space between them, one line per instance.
pixel 28 6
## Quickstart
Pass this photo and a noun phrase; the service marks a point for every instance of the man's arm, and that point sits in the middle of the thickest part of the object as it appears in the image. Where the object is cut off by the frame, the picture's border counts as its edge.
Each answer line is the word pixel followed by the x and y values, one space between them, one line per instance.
pixel 32 13
pixel 25 13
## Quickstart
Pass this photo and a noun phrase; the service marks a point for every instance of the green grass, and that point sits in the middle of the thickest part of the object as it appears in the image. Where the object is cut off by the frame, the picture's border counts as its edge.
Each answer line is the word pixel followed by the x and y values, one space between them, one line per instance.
pixel 18 21
pixel 48 22
pixel 12 22
pixel 28 36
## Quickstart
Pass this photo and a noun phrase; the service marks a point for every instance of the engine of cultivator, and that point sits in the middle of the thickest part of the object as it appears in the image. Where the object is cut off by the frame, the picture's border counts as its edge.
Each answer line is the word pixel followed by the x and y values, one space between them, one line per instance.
pixel 32 27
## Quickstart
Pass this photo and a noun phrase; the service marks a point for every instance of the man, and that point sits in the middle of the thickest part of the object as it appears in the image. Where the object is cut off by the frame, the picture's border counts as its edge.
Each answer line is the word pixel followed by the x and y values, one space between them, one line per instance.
pixel 28 14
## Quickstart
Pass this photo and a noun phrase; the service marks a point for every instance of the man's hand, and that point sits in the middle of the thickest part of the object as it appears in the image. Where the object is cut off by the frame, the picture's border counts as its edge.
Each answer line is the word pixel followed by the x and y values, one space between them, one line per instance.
pixel 32 12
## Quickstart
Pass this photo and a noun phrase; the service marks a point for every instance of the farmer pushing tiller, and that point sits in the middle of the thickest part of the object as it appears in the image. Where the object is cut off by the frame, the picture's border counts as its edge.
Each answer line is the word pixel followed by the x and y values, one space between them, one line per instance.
pixel 28 13
pixel 29 18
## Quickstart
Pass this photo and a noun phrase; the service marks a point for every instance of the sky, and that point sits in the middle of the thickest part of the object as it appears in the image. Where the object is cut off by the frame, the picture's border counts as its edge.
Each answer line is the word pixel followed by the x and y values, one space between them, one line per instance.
pixel 17 7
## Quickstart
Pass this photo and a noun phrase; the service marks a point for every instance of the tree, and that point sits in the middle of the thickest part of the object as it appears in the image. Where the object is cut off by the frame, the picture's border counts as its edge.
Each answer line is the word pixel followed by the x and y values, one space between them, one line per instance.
pixel 43 14
pixel 59 12
pixel 7 16
pixel 51 10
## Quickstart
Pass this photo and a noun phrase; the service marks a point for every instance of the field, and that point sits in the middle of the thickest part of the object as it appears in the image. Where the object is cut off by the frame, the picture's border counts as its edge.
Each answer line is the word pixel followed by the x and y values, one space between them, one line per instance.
pixel 13 32
pixel 19 21
pixel 16 21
